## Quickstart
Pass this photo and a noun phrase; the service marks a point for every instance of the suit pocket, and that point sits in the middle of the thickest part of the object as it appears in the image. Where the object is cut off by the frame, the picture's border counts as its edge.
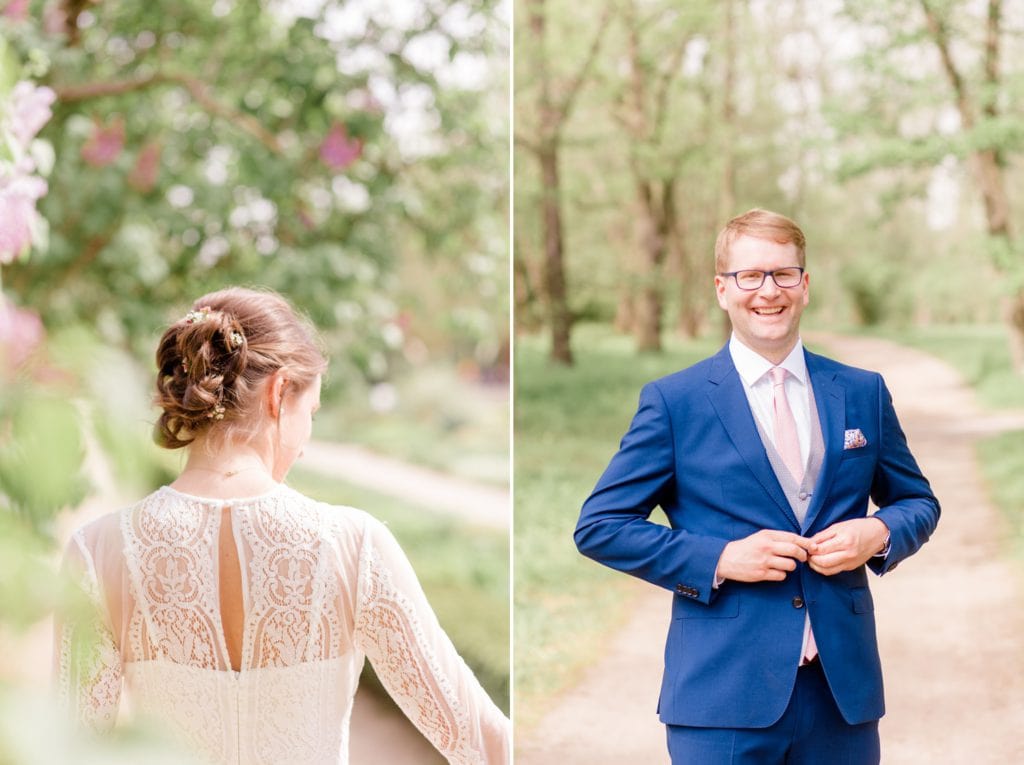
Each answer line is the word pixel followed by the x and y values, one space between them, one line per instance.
pixel 861 601
pixel 725 606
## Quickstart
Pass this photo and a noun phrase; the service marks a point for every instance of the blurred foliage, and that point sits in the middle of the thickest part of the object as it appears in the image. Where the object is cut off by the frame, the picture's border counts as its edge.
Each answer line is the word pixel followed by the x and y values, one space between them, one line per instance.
pixel 320 152
pixel 843 119
pixel 40 456
pixel 29 736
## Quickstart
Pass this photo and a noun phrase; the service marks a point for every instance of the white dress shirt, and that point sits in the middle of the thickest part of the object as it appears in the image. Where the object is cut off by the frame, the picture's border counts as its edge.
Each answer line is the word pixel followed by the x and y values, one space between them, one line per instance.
pixel 754 371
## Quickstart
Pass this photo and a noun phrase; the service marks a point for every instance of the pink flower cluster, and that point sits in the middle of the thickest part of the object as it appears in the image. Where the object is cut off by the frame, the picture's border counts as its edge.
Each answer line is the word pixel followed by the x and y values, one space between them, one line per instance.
pixel 338 150
pixel 27 111
pixel 106 143
pixel 21 332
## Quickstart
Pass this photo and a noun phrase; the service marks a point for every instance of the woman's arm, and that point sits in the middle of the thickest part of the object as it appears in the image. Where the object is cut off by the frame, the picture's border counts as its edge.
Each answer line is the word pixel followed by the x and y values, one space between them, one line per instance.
pixel 87 662
pixel 416 661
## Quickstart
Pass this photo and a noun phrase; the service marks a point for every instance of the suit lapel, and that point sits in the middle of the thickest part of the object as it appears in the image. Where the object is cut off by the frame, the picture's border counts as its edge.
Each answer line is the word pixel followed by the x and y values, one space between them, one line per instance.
pixel 830 398
pixel 730 402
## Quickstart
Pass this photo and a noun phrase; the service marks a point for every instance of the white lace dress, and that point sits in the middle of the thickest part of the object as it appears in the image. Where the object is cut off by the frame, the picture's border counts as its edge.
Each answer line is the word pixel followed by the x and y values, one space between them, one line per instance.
pixel 323 587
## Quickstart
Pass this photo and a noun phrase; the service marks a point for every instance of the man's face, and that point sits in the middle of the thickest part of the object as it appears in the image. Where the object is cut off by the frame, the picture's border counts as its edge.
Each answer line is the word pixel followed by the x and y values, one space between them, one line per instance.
pixel 767 320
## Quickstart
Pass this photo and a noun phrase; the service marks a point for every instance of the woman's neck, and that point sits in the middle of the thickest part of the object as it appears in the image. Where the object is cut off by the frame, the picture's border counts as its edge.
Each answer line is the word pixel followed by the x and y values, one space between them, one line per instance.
pixel 232 471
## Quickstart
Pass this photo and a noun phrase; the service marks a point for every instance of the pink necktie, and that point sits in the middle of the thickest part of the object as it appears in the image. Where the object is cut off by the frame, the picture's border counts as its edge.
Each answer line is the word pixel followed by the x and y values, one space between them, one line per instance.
pixel 788 446
pixel 786 442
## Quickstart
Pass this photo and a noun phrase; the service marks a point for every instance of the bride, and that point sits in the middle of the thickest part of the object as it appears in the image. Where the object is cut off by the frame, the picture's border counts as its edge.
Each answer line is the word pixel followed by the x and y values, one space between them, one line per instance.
pixel 236 611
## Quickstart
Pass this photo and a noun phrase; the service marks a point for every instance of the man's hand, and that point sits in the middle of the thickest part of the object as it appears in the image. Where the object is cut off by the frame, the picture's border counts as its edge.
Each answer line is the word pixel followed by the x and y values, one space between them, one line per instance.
pixel 847 545
pixel 765 556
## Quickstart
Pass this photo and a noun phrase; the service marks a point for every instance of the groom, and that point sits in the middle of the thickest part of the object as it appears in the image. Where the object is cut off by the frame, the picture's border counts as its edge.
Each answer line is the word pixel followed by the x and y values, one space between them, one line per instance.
pixel 763 458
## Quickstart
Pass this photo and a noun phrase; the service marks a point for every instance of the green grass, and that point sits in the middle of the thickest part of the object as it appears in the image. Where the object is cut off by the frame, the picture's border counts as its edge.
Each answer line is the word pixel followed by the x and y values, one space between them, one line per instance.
pixel 568 423
pixel 1002 462
pixel 464 572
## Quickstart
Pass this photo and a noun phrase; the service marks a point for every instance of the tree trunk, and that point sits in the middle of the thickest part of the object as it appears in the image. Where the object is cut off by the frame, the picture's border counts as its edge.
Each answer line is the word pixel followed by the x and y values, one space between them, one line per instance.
pixel 624 310
pixel 649 298
pixel 987 165
pixel 1015 322
pixel 680 261
pixel 559 317
pixel 727 200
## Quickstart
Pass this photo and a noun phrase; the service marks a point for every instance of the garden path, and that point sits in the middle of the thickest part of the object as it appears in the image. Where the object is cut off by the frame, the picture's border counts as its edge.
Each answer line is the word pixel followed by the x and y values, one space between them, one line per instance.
pixel 950 620
pixel 472 501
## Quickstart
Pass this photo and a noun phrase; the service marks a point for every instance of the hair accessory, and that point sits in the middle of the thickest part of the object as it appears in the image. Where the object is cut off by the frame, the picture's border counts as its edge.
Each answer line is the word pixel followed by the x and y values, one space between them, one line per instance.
pixel 237 338
pixel 194 317
pixel 217 413
pixel 184 367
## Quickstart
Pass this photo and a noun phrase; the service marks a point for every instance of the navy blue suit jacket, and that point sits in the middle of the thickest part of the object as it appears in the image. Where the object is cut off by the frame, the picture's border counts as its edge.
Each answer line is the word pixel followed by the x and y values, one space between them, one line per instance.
pixel 693 448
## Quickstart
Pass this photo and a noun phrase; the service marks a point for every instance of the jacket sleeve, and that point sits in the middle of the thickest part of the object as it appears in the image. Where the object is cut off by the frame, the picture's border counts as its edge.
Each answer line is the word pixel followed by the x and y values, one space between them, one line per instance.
pixel 900 491
pixel 614 526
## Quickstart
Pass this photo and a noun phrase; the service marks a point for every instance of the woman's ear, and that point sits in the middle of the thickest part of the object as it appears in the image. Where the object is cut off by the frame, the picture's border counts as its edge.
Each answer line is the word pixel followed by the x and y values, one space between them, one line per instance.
pixel 275 392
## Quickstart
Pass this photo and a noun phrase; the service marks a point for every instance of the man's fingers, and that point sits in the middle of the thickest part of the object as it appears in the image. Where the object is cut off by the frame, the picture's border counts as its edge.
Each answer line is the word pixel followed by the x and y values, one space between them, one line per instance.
pixel 823 536
pixel 789 550
pixel 799 541
pixel 828 571
pixel 790 538
pixel 827 561
pixel 831 544
pixel 783 563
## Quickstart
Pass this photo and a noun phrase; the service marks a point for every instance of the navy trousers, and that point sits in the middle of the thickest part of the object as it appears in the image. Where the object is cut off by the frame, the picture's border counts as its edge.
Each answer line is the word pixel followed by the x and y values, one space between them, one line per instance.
pixel 810 732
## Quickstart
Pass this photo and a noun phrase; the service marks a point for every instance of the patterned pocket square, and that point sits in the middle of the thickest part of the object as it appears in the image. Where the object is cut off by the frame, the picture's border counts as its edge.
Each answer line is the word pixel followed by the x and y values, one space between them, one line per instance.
pixel 854 439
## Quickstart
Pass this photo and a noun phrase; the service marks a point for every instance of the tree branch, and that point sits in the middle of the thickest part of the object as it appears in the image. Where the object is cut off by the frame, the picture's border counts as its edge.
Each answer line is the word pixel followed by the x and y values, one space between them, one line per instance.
pixel 576 83
pixel 664 82
pixel 521 140
pixel 940 36
pixel 992 57
pixel 199 91
pixel 70 94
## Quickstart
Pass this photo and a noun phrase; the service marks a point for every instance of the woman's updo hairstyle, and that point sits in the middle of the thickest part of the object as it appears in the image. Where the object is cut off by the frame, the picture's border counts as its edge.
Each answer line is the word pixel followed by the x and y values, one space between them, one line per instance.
pixel 213 362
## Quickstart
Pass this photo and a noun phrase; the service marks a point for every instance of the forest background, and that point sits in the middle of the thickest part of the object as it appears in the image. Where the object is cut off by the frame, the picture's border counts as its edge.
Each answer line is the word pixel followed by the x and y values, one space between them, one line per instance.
pixel 352 155
pixel 890 130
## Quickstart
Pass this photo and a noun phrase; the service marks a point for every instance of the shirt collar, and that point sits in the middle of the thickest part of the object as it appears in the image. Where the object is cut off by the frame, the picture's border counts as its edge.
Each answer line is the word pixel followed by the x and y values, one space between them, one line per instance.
pixel 752 366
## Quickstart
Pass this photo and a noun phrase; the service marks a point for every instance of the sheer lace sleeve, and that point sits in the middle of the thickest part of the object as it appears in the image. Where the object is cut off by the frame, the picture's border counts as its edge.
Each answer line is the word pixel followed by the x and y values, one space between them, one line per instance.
pixel 88 664
pixel 416 661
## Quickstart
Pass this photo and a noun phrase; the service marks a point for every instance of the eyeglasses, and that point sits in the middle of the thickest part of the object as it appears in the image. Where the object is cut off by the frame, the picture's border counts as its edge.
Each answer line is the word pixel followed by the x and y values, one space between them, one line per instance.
pixel 750 279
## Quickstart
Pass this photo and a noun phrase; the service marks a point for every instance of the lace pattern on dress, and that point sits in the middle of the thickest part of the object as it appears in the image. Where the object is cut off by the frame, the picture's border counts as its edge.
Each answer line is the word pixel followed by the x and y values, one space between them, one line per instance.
pixel 393 639
pixel 167 551
pixel 292 609
pixel 89 665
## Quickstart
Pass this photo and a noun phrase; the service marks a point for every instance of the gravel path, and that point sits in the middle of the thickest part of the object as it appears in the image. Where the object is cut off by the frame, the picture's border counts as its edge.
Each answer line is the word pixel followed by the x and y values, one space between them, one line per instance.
pixel 474 502
pixel 950 619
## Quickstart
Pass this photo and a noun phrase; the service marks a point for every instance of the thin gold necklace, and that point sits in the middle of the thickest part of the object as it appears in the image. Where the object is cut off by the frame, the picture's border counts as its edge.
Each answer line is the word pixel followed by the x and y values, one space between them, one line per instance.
pixel 226 473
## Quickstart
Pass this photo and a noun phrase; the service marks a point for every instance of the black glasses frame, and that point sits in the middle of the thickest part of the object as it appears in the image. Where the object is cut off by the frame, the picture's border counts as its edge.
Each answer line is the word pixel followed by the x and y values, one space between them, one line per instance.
pixel 765 275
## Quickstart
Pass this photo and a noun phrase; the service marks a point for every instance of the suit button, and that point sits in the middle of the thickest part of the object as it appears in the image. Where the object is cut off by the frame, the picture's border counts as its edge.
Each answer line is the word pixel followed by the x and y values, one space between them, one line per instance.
pixel 681 589
pixel 798 602
pixel 803 495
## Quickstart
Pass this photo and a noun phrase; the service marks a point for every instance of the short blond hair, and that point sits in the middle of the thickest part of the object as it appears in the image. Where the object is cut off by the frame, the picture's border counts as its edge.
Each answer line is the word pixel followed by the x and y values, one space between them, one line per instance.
pixel 760 224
